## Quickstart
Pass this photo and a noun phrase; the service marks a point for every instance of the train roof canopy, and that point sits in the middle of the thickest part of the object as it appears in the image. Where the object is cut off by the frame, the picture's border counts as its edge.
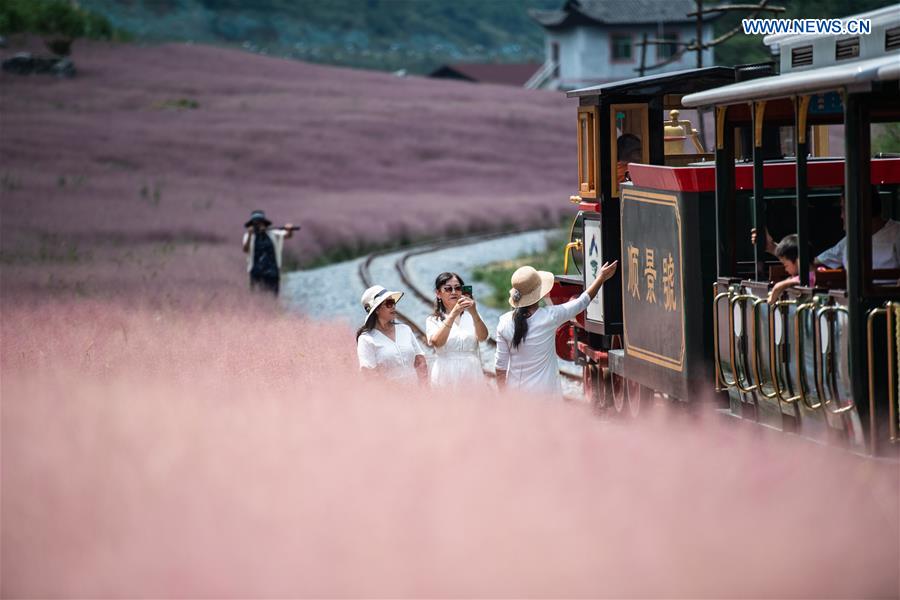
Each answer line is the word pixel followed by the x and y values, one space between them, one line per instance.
pixel 679 82
pixel 856 75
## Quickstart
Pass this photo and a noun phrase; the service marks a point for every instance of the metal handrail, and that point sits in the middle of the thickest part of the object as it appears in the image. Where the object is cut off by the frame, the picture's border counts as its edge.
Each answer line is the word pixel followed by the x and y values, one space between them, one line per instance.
pixel 892 341
pixel 720 374
pixel 737 298
pixel 773 363
pixel 759 380
pixel 577 245
pixel 798 354
pixel 870 351
pixel 820 385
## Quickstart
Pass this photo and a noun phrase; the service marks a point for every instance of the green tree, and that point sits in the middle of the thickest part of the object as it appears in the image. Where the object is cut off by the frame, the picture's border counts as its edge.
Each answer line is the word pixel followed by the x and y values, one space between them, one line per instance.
pixel 60 22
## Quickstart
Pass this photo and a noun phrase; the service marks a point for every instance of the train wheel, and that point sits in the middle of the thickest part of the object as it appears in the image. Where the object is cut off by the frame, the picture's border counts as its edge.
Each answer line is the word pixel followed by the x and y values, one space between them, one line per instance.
pixel 640 398
pixel 616 384
pixel 593 385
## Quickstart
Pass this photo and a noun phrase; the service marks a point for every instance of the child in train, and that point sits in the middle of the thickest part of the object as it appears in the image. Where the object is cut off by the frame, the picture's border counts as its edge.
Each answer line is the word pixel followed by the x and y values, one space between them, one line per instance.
pixel 787 251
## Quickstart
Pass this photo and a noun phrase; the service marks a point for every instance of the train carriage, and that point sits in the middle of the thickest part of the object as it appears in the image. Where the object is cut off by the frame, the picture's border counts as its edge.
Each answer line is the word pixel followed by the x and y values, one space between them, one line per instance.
pixel 690 318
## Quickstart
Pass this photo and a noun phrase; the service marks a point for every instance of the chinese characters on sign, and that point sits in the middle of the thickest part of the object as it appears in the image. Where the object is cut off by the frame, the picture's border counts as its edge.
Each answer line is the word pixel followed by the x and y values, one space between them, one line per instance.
pixel 669 281
pixel 634 268
pixel 650 274
pixel 650 277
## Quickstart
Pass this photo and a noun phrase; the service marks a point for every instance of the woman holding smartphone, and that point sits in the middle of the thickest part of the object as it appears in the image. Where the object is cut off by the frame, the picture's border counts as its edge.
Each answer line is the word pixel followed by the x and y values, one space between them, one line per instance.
pixel 454 331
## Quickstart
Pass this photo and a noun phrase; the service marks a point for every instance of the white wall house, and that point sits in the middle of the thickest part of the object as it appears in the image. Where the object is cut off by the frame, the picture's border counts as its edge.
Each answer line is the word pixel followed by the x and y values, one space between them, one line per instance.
pixel 594 41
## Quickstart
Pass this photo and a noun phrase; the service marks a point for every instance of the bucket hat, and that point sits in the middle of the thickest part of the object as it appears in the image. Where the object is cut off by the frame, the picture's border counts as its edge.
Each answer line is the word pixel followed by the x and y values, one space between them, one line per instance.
pixel 528 286
pixel 258 215
pixel 374 296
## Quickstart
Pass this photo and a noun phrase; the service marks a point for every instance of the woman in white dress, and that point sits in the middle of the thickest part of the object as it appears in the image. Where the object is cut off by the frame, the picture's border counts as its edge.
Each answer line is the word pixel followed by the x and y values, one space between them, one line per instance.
pixel 385 346
pixel 526 336
pixel 454 331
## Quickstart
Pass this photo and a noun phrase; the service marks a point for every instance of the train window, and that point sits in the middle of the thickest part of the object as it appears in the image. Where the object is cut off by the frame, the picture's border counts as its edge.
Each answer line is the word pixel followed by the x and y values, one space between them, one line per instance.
pixel 885 139
pixel 786 141
pixel 631 125
pixel 683 142
pixel 587 151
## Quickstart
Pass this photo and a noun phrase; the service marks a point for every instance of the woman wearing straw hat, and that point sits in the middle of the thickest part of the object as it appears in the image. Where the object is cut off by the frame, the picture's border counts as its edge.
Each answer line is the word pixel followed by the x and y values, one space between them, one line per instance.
pixel 526 354
pixel 385 346
pixel 454 331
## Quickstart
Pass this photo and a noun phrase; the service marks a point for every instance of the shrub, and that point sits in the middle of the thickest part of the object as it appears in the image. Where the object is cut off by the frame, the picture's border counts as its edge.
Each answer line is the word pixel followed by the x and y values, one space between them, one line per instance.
pixel 59 21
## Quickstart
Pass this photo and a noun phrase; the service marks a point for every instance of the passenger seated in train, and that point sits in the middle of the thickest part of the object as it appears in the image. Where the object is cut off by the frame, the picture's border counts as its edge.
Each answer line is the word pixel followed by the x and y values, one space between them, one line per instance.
pixel 787 251
pixel 885 242
pixel 628 149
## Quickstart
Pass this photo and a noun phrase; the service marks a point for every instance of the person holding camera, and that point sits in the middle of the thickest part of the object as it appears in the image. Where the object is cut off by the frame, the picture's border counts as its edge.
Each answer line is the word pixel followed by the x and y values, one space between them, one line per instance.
pixel 263 245
pixel 454 331
pixel 526 336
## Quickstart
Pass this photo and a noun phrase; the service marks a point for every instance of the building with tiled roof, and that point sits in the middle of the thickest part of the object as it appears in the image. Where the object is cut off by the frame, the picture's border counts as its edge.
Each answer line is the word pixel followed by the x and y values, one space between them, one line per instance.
pixel 504 74
pixel 595 41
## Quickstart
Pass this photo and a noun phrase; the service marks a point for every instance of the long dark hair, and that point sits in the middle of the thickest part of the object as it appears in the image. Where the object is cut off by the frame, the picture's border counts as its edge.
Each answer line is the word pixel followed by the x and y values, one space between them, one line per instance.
pixel 439 309
pixel 520 321
pixel 368 326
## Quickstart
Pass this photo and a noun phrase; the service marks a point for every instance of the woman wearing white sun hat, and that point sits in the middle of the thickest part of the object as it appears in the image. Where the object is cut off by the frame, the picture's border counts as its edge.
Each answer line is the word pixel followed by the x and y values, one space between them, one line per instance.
pixel 526 354
pixel 385 346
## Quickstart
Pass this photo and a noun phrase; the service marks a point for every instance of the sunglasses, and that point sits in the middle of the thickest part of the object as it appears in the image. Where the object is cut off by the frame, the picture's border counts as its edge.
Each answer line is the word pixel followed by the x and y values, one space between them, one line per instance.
pixel 390 303
pixel 452 288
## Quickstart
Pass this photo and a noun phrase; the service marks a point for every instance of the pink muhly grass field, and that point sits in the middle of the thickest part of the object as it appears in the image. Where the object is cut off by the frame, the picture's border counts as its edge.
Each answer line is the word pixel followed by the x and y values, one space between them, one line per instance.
pixel 227 451
pixel 111 182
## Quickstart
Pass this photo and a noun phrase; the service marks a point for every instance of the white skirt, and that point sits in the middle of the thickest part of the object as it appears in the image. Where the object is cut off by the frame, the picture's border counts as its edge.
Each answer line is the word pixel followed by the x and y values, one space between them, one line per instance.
pixel 455 368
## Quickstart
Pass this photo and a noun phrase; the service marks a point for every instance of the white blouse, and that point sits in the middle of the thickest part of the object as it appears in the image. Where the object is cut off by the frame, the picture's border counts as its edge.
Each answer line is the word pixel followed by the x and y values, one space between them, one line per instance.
pixel 459 359
pixel 532 366
pixel 393 358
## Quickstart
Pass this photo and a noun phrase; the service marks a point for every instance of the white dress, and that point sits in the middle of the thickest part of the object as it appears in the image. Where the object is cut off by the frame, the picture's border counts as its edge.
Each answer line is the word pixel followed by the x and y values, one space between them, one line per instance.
pixel 459 359
pixel 395 359
pixel 532 366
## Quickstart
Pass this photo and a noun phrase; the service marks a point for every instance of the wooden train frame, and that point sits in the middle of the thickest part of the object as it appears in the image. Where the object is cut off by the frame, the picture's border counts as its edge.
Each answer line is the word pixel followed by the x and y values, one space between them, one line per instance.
pixel 688 318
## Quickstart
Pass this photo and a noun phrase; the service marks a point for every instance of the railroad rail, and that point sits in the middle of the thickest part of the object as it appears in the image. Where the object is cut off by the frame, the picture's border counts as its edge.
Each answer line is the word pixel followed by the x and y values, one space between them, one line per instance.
pixel 424 295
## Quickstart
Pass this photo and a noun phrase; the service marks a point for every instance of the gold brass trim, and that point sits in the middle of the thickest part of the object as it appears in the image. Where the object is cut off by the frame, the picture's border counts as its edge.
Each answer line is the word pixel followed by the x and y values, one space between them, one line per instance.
pixel 802 113
pixel 892 388
pixel 759 380
pixel 578 245
pixel 720 374
pixel 870 354
pixel 759 111
pixel 773 363
pixel 798 355
pixel 644 354
pixel 737 298
pixel 820 384
pixel 721 111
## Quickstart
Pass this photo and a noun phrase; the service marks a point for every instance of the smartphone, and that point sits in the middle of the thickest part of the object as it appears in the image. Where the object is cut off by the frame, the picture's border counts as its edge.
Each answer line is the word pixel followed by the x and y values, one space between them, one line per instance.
pixel 467 291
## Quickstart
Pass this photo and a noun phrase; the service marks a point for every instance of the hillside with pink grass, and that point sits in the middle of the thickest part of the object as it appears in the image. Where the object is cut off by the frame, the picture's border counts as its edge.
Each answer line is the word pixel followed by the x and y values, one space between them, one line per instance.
pixel 138 174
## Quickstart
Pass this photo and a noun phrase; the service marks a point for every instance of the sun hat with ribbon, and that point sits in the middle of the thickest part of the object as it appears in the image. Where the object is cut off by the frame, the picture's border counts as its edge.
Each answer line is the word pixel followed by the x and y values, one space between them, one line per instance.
pixel 528 286
pixel 258 215
pixel 374 296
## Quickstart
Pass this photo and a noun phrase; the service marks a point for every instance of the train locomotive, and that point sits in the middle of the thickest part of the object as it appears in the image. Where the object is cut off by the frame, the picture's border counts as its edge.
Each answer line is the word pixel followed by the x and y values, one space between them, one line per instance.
pixel 783 148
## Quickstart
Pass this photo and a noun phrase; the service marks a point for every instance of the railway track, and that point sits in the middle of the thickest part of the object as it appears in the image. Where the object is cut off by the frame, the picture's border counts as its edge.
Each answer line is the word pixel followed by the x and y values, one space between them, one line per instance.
pixel 424 296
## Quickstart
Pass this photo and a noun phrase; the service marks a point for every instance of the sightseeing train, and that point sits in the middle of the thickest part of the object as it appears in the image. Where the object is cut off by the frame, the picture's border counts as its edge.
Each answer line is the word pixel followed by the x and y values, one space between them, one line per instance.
pixel 790 146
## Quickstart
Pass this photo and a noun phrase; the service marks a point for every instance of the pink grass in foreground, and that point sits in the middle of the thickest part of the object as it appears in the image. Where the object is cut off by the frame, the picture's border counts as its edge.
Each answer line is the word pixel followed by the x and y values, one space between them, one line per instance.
pixel 234 452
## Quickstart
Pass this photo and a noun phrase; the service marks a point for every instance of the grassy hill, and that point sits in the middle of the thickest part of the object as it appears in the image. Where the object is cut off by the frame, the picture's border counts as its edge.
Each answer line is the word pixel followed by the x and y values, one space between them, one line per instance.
pixel 416 35
pixel 139 173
